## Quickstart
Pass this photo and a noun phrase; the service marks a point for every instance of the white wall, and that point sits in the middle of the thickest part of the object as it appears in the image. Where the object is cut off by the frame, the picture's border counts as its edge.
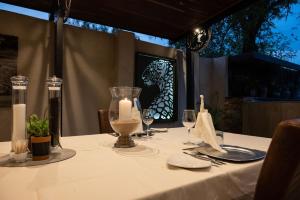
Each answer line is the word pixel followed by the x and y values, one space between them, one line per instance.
pixel 89 71
pixel 93 62
pixel 211 79
pixel 35 56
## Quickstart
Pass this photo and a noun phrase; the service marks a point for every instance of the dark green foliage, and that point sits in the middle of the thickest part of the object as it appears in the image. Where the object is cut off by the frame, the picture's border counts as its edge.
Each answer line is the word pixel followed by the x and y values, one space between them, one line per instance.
pixel 87 25
pixel 37 127
pixel 251 30
pixel 94 26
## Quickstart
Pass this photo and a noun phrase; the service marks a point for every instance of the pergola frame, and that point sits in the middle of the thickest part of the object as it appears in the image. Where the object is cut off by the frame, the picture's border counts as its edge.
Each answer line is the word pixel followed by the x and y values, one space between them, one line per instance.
pixel 146 16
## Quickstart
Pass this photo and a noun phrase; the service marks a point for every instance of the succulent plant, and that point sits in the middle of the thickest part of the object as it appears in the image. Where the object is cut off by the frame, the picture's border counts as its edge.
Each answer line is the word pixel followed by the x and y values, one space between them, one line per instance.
pixel 37 127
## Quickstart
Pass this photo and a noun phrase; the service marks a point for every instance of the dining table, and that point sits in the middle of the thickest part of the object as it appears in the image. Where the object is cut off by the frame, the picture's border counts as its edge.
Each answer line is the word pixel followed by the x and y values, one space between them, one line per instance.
pixel 99 171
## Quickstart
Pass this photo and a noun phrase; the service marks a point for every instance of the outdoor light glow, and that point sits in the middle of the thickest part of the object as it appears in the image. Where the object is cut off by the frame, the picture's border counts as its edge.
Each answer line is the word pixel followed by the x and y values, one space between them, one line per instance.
pixel 24 11
pixel 197 30
pixel 198 33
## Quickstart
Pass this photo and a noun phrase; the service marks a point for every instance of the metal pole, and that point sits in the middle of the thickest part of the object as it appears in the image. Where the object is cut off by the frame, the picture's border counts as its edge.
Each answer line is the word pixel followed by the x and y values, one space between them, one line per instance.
pixel 58 18
pixel 58 50
pixel 190 83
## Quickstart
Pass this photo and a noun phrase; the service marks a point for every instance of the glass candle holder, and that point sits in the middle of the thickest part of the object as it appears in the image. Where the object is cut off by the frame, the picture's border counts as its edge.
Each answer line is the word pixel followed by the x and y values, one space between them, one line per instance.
pixel 19 92
pixel 54 109
pixel 122 115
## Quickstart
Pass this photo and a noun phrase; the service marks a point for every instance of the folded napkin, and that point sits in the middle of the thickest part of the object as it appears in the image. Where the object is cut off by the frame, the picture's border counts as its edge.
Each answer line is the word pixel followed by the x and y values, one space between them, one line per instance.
pixel 205 129
pixel 136 114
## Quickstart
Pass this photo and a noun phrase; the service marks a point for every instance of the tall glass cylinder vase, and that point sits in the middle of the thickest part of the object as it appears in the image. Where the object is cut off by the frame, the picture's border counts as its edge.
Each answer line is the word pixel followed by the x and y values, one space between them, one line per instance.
pixel 19 91
pixel 54 109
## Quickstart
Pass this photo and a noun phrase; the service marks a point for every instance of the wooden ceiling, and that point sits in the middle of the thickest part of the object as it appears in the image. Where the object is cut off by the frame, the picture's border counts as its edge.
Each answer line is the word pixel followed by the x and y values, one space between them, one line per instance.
pixel 170 19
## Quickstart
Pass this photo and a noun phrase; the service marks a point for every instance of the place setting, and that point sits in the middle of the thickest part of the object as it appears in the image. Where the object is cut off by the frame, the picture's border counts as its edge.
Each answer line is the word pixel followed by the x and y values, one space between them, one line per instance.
pixel 188 162
pixel 209 148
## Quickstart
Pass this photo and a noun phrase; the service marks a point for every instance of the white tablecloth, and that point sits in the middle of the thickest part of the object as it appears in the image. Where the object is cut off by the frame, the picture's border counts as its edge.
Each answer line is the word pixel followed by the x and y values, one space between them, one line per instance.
pixel 100 172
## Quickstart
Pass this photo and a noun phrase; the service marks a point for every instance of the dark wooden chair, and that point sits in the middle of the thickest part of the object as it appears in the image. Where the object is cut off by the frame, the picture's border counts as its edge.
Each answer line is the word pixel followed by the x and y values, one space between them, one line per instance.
pixel 280 174
pixel 104 125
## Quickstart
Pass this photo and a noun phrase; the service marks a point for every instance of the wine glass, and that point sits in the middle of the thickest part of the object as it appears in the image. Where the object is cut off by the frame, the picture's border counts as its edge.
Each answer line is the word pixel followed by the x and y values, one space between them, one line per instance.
pixel 147 119
pixel 189 120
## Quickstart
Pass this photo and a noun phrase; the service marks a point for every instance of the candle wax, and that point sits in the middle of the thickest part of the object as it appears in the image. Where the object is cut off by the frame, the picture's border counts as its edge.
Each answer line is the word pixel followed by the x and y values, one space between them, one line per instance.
pixel 125 109
pixel 19 118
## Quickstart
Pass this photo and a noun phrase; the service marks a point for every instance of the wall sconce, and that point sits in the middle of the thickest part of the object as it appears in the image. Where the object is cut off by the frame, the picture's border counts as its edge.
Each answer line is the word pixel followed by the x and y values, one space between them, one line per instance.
pixel 198 38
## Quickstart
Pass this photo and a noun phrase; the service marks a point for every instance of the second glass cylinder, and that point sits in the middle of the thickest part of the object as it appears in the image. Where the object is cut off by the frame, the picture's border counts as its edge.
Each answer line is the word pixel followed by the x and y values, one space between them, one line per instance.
pixel 54 109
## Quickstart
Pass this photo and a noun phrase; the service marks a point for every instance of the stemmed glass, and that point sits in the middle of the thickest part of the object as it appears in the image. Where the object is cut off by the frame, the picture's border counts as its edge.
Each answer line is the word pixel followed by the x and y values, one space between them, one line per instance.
pixel 147 119
pixel 189 120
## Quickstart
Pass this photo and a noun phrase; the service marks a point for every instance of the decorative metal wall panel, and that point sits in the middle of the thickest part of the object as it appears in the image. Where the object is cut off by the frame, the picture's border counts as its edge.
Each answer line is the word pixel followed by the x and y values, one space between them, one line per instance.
pixel 158 79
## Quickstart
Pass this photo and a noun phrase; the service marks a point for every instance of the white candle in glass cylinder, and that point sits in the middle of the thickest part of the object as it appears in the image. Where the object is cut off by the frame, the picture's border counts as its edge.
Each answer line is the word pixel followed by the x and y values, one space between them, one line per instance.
pixel 125 109
pixel 19 120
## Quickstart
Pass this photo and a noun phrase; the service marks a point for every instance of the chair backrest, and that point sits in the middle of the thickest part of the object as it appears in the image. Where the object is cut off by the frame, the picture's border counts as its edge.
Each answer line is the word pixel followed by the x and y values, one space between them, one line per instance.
pixel 104 125
pixel 281 166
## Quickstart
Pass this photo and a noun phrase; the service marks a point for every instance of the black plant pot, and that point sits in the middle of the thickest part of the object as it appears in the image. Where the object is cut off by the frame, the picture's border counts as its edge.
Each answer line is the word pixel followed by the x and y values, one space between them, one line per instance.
pixel 40 147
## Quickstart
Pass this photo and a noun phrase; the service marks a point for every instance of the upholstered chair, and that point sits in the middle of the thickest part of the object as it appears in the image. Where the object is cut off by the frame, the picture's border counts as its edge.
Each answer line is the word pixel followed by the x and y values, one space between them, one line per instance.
pixel 104 125
pixel 280 174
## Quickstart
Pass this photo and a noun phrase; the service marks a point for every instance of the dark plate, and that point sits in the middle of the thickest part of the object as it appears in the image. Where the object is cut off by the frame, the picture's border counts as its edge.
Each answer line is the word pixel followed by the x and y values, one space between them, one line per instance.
pixel 234 153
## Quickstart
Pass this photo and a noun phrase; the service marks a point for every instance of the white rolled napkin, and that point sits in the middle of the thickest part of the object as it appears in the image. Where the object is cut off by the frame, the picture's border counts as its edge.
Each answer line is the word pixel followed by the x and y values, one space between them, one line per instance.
pixel 205 129
pixel 136 114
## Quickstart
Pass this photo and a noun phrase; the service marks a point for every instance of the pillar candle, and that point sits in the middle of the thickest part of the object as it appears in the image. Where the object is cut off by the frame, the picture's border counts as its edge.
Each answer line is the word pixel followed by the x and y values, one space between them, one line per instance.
pixel 125 109
pixel 19 120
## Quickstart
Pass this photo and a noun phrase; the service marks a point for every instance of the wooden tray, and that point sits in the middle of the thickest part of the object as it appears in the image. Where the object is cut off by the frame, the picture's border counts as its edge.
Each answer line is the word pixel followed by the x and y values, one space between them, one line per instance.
pixel 63 154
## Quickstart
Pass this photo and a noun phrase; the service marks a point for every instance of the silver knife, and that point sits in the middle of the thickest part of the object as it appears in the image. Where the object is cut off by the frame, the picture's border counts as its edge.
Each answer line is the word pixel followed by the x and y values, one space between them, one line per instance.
pixel 205 158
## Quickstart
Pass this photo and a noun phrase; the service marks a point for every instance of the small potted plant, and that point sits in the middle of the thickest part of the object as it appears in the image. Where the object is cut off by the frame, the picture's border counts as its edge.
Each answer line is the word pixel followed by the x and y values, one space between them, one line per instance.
pixel 39 137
